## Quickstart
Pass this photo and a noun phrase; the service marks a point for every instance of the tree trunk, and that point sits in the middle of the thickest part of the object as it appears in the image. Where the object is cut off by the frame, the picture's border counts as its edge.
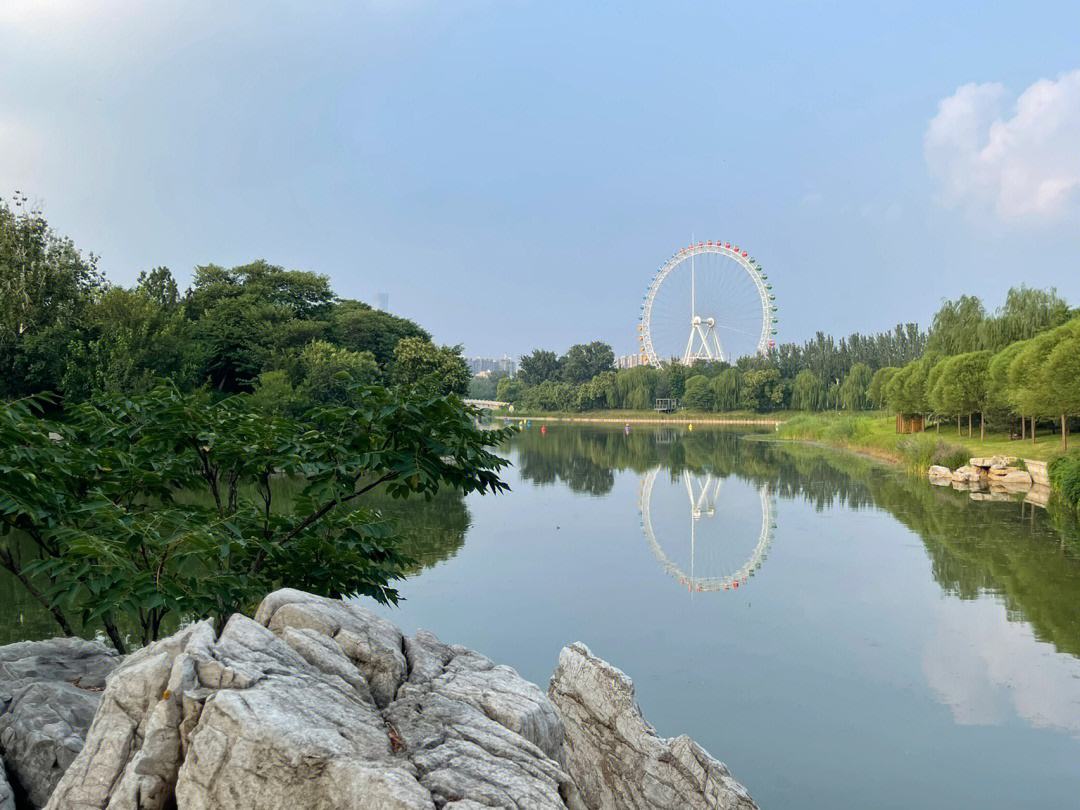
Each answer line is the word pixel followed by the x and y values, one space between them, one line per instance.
pixel 982 427
pixel 1023 428
pixel 958 433
pixel 1033 430
pixel 113 633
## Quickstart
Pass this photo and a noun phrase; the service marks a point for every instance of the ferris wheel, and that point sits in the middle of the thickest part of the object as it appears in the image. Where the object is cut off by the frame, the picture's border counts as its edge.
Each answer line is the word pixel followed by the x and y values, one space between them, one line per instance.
pixel 709 301
pixel 720 542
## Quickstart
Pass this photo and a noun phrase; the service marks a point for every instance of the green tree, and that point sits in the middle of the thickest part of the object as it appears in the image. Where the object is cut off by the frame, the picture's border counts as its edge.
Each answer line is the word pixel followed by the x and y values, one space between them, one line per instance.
pixel 583 361
pixel 46 286
pixel 1027 387
pixel 597 393
pixel 327 373
pixel 164 504
pixel 727 390
pixel 999 402
pixel 875 392
pixel 807 392
pixel 130 339
pixel 440 369
pixel 539 366
pixel 509 389
pixel 762 390
pixel 698 394
pixel 1062 375
pixel 359 328
pixel 957 326
pixel 853 390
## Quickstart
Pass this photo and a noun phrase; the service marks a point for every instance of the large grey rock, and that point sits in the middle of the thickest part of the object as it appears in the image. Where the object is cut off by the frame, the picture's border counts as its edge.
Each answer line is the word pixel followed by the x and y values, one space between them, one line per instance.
pixel 7 798
pixel 616 758
pixel 321 703
pixel 49 692
pixel 317 703
pixel 371 642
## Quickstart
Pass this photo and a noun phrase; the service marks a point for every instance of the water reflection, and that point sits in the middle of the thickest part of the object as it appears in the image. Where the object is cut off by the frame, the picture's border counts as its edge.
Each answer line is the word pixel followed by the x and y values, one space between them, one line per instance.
pixel 1029 558
pixel 723 552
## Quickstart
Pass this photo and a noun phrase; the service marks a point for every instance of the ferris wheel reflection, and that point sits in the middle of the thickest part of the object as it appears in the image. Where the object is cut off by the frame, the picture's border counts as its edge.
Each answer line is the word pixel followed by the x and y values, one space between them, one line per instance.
pixel 713 553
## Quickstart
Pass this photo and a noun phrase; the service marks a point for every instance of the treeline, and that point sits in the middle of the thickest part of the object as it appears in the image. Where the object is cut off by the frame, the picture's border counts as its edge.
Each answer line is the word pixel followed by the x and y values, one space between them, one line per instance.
pixel 824 373
pixel 1010 369
pixel 819 374
pixel 281 334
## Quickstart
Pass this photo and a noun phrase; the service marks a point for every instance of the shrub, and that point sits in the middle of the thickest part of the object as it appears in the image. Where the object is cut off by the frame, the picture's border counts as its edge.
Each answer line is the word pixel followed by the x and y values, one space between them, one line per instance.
pixel 921 450
pixel 1065 478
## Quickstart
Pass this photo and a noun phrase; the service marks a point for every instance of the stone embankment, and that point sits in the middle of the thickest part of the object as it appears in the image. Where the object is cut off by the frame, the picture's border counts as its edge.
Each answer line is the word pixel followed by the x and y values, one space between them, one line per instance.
pixel 323 704
pixel 997 478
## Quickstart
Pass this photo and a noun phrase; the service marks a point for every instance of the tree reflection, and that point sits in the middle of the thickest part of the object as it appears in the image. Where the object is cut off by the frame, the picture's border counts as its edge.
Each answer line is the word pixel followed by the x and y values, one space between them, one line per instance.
pixel 1029 557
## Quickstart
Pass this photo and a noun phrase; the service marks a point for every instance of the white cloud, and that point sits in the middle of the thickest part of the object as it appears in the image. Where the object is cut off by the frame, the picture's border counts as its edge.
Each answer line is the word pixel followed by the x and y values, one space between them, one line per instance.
pixel 1021 163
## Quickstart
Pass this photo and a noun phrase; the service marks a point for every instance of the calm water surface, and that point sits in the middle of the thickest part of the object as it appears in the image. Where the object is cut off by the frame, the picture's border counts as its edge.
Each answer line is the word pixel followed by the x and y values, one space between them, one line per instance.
pixel 842 635
pixel 895 646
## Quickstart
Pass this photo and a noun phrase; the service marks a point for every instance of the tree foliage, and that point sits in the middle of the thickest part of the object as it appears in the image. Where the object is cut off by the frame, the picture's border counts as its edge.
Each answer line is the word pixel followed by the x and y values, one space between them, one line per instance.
pixel 165 504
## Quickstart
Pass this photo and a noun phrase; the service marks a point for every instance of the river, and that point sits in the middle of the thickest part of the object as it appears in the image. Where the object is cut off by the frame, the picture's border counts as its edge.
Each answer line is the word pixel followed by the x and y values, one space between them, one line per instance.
pixel 839 633
pixel 896 645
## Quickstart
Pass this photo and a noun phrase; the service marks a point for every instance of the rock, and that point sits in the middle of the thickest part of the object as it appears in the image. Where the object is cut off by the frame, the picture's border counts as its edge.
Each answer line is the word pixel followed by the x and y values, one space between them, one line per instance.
pixel 371 642
pixel 615 756
pixel 49 692
pixel 1010 475
pixel 321 703
pixel 992 461
pixel 936 471
pixel 7 797
pixel 967 474
pixel 1038 471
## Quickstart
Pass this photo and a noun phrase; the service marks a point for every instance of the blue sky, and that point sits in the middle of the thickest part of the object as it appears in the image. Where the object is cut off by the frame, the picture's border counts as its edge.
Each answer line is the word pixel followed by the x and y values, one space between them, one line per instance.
pixel 512 173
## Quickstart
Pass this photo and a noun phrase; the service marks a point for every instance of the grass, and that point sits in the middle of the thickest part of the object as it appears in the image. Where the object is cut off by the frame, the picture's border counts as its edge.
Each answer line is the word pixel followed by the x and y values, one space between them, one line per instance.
pixel 875 433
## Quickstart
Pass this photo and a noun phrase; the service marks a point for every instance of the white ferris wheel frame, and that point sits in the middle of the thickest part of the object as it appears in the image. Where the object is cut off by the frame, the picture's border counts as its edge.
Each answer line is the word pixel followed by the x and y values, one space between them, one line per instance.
pixel 743 259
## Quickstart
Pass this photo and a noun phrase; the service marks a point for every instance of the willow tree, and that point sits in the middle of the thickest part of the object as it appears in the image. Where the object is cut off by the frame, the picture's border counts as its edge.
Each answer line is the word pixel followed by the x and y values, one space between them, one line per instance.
pixel 853 390
pixel 807 392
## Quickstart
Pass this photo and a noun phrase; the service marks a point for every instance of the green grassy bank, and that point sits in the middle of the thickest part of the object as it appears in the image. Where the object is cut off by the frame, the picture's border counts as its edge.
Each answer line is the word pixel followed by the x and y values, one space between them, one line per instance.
pixel 876 435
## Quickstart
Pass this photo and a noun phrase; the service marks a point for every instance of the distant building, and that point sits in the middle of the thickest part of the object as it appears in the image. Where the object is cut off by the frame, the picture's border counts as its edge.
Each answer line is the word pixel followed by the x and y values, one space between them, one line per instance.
pixel 629 361
pixel 504 365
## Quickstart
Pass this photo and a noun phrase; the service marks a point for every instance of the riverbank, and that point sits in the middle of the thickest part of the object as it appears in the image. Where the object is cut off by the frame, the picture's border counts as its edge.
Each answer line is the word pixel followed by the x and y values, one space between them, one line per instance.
pixel 875 434
pixel 651 417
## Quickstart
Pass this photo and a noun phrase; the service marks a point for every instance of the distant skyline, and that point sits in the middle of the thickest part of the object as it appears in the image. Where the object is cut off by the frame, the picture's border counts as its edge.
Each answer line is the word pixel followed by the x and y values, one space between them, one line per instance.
pixel 511 174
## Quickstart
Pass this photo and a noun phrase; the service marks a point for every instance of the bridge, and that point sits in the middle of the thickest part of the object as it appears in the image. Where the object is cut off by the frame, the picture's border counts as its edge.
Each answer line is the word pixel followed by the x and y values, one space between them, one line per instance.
pixel 487 404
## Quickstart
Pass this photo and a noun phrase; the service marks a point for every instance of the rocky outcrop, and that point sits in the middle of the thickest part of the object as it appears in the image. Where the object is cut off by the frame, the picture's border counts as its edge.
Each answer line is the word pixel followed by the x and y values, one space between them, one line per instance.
pixel 7 797
pixel 49 692
pixel 615 756
pixel 967 475
pixel 322 703
pixel 939 475
pixel 1010 477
